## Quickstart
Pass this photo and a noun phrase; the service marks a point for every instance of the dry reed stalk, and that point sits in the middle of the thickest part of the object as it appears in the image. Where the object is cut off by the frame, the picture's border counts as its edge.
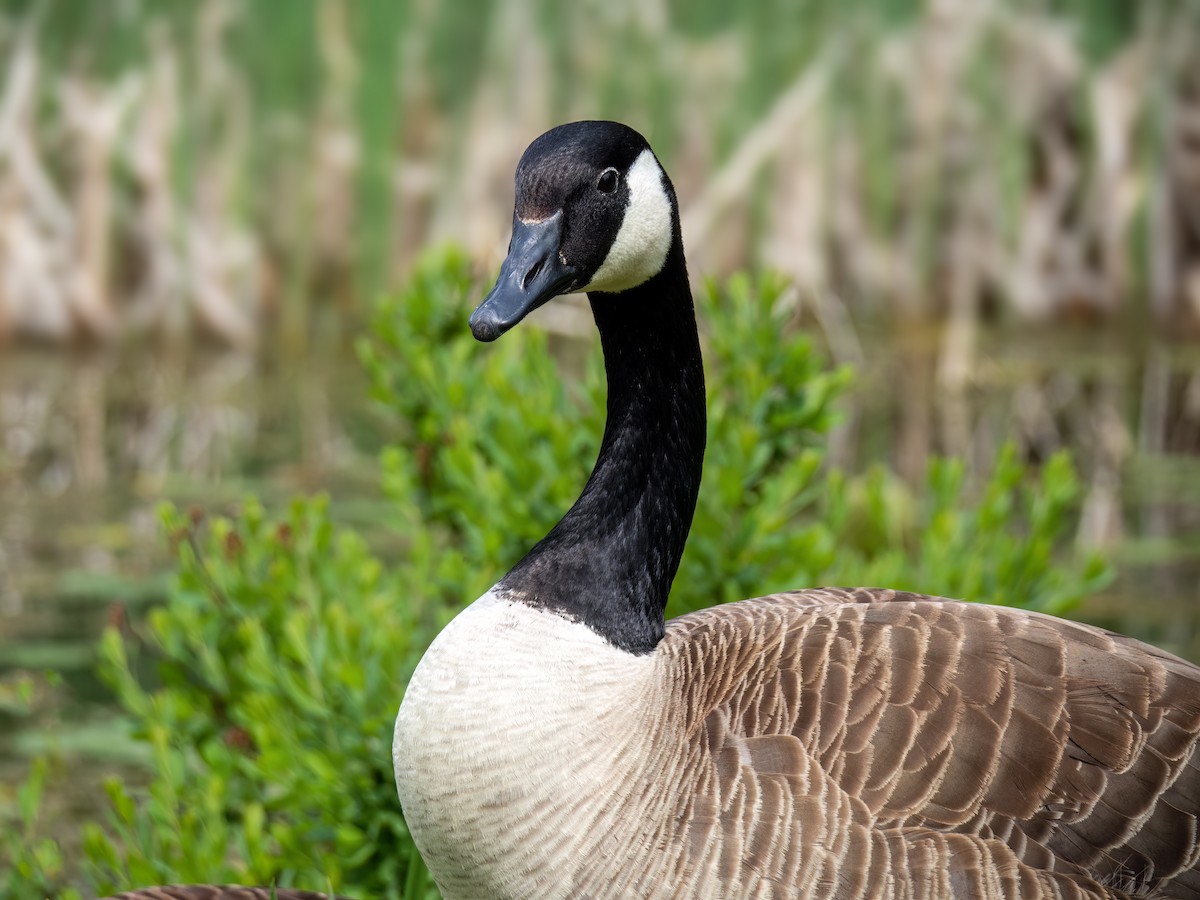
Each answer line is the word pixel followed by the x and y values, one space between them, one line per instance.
pixel 729 185
pixel 157 297
pixel 90 409
pixel 221 257
pixel 334 150
pixel 1182 235
pixel 514 94
pixel 1101 521
pixel 1185 436
pixel 975 105
pixel 36 226
pixel 92 117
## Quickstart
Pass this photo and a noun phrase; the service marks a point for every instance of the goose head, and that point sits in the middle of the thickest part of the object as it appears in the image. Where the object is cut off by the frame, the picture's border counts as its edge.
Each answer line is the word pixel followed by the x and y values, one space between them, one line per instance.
pixel 594 212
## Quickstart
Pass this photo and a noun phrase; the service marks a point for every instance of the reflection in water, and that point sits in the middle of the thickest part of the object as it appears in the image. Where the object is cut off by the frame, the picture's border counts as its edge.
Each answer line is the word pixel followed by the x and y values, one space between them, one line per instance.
pixel 1128 408
pixel 90 446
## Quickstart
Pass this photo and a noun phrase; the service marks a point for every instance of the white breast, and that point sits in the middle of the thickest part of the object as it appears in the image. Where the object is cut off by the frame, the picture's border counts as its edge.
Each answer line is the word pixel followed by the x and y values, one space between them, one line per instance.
pixel 517 729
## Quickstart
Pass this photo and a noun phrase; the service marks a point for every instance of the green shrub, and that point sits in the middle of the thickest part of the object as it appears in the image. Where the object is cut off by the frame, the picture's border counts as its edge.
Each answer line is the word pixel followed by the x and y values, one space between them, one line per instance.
pixel 282 652
pixel 772 517
pixel 499 430
pixel 281 657
pixel 32 864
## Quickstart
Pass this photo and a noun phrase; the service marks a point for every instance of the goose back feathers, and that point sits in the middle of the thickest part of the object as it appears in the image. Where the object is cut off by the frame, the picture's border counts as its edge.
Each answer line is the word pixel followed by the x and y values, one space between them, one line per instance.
pixel 560 740
pixel 819 744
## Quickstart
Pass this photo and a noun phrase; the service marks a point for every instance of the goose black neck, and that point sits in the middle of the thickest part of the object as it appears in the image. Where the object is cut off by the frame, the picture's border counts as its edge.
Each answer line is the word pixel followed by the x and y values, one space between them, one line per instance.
pixel 610 561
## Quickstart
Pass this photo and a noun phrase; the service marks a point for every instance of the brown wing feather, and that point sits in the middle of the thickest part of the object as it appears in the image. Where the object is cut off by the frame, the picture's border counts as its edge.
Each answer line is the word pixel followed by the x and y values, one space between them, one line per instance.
pixel 220 892
pixel 1001 752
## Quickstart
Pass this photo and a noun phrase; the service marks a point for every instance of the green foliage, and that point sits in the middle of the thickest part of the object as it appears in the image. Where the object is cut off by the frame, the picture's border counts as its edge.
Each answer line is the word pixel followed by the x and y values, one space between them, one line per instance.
pixel 498 445
pixel 769 409
pixel 772 517
pixel 502 430
pixel 999 549
pixel 32 864
pixel 281 655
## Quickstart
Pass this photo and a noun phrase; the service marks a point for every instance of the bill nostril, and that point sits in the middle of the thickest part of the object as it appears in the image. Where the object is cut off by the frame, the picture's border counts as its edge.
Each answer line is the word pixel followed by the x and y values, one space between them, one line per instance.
pixel 532 274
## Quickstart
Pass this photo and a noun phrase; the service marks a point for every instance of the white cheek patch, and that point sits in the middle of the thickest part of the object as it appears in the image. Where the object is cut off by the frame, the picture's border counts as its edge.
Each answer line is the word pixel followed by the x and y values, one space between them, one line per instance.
pixel 641 245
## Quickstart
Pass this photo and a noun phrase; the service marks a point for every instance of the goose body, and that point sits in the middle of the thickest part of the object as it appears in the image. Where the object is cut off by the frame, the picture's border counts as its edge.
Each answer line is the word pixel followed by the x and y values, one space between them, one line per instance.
pixel 559 739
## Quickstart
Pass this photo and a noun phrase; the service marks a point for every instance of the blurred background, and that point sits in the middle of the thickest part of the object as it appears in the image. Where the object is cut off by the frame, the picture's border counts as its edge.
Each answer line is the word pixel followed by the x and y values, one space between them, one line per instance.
pixel 991 210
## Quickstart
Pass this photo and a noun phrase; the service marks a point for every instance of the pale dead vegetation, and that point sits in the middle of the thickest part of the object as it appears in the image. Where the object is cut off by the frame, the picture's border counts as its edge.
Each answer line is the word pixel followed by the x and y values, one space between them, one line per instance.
pixel 975 160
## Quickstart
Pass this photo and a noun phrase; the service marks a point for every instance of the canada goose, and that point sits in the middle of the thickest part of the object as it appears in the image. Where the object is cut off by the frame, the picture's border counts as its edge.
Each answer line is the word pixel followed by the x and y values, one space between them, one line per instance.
pixel 558 739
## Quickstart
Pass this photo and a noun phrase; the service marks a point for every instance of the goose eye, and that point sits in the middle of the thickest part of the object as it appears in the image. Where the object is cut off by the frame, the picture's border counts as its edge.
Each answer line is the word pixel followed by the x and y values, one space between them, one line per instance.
pixel 608 181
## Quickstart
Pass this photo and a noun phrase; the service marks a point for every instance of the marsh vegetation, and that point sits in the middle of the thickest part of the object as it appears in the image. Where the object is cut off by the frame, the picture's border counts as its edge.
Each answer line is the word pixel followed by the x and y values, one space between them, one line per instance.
pixel 974 233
